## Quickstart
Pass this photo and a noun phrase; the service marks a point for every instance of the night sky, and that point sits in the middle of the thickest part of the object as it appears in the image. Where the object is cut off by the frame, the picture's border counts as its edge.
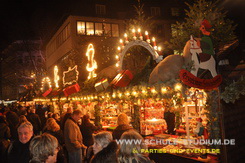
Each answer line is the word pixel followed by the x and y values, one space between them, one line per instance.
pixel 22 19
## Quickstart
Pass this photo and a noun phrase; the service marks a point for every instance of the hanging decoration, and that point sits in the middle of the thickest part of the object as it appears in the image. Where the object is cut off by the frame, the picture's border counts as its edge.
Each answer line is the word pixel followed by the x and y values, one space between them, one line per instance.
pixel 71 89
pixel 56 76
pixel 139 40
pixel 122 79
pixel 92 64
pixel 202 55
pixel 46 80
pixel 70 76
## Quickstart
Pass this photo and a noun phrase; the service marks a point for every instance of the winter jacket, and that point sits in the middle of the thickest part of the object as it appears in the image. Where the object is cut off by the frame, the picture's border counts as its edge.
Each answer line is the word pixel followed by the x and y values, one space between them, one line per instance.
pixel 18 152
pixel 107 154
pixel 87 130
pixel 4 131
pixel 119 130
pixel 72 135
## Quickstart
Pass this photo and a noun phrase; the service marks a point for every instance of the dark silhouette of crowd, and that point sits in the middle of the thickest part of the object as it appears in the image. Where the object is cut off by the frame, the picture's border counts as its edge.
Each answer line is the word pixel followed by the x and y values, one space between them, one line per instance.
pixel 34 134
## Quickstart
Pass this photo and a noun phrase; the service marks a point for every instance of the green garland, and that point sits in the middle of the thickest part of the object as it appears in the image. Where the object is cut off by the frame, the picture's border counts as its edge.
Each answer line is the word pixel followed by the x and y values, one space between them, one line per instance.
pixel 233 91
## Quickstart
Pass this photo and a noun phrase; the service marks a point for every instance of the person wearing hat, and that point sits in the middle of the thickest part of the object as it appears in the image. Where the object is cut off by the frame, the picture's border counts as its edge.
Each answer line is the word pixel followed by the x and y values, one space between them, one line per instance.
pixel 205 43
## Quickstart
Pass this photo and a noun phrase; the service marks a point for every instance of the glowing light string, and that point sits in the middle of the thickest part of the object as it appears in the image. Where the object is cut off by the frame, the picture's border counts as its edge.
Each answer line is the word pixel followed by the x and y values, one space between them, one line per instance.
pixel 56 76
pixel 92 64
pixel 46 80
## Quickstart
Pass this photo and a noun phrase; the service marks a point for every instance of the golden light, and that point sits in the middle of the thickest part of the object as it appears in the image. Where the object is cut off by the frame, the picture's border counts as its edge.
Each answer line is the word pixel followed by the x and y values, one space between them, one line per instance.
pixel 125 35
pixel 121 41
pixel 119 48
pixel 117 57
pixel 159 48
pixel 144 91
pixel 146 33
pixel 127 93
pixel 153 39
pixel 163 89
pixel 178 86
pixel 134 93
pixel 133 30
pixel 153 91
pixel 117 64
pixel 56 76
pixel 46 80
pixel 139 30
pixel 114 95
pixel 120 95
pixel 92 64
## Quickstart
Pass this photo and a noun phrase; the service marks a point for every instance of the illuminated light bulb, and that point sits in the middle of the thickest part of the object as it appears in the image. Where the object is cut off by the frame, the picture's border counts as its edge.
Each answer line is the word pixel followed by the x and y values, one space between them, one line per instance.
pixel 117 64
pixel 120 95
pixel 164 89
pixel 153 91
pixel 117 57
pixel 134 93
pixel 133 30
pixel 139 31
pixel 114 95
pixel 119 48
pixel 126 37
pixel 178 86
pixel 159 48
pixel 121 42
pixel 127 93
pixel 147 37
pixel 144 91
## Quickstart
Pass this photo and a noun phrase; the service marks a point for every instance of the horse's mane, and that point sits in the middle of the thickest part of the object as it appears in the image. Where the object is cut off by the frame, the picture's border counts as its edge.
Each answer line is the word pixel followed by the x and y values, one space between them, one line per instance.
pixel 186 52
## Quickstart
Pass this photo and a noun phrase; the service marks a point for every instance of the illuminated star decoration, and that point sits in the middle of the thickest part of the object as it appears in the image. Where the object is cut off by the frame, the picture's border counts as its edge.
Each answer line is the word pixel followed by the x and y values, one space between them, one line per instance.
pixel 92 64
pixel 56 76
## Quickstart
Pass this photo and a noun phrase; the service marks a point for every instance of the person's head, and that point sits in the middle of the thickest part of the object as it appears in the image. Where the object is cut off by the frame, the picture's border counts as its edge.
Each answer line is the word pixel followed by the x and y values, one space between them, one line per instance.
pixel 33 110
pixel 205 26
pixel 101 140
pixel 69 110
pixel 56 116
pixel 25 132
pixel 86 119
pixel 22 119
pixel 76 115
pixel 126 149
pixel 44 148
pixel 122 119
pixel 52 125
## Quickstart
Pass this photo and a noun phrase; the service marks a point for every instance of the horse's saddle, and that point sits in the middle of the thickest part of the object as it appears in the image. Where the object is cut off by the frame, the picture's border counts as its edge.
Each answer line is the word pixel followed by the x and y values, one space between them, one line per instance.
pixel 203 57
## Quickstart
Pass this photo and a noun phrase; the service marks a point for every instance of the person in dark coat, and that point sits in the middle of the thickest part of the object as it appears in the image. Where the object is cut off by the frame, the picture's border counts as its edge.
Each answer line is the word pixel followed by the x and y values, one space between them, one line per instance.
pixel 105 149
pixel 87 129
pixel 35 121
pixel 4 136
pixel 18 151
pixel 53 129
pixel 13 121
pixel 123 125
pixel 169 117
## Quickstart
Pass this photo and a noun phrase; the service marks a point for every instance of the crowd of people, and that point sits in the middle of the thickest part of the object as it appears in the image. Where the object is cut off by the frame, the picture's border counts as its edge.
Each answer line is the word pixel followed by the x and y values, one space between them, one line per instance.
pixel 35 135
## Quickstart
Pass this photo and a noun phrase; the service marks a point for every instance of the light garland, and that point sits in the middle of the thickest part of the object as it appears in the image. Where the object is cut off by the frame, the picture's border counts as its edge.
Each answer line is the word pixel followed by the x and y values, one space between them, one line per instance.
pixel 68 72
pixel 46 80
pixel 92 64
pixel 138 39
pixel 56 76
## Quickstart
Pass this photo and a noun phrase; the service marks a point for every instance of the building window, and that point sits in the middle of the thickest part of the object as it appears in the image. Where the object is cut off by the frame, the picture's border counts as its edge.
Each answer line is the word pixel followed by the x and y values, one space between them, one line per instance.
pixel 89 28
pixel 115 30
pixel 81 28
pixel 107 29
pixel 175 11
pixel 155 11
pixel 98 29
pixel 100 9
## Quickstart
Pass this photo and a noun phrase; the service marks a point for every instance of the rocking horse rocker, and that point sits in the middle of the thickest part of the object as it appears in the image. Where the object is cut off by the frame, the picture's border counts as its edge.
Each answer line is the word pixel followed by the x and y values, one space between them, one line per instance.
pixel 202 53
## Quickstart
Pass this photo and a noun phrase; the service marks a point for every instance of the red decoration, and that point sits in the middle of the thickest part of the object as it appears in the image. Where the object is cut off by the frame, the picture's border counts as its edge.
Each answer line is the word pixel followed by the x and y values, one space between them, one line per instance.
pixel 122 79
pixel 71 89
pixel 47 92
pixel 189 79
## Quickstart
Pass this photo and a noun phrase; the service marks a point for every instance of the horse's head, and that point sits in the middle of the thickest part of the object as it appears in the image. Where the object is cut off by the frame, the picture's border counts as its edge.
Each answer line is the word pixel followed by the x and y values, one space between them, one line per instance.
pixel 194 47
